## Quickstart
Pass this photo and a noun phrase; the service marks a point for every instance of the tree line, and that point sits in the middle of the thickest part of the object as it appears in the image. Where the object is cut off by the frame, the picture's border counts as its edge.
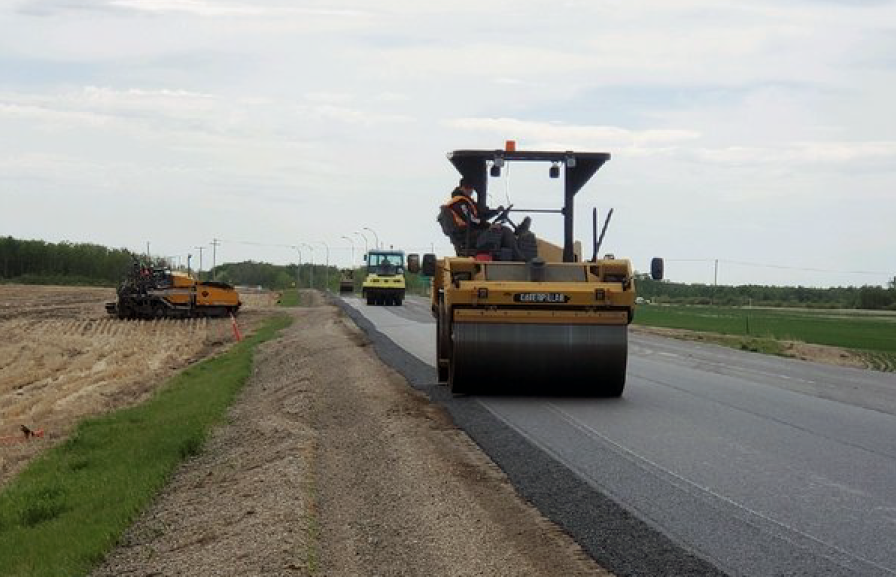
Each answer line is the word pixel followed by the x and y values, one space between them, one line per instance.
pixel 277 276
pixel 280 277
pixel 40 262
pixel 864 297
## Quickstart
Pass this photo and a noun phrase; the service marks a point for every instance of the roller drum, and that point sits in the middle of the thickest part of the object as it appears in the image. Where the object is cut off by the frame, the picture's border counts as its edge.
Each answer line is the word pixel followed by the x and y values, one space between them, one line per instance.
pixel 548 359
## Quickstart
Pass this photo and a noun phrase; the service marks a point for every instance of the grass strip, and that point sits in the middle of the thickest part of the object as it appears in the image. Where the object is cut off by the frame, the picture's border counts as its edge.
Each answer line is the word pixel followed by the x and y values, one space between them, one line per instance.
pixel 68 508
pixel 851 331
pixel 290 298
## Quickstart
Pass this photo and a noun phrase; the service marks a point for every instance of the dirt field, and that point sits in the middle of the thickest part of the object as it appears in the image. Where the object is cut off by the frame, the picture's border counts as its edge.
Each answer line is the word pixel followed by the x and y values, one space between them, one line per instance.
pixel 63 358
pixel 331 465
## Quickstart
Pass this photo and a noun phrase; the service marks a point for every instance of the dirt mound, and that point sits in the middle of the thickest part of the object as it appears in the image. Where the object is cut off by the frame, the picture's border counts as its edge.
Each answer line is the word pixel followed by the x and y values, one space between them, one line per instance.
pixel 259 299
pixel 804 351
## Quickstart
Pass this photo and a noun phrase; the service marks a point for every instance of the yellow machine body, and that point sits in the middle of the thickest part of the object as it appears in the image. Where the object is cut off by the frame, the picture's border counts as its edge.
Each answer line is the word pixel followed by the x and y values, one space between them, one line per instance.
pixel 347 281
pixel 384 283
pixel 497 325
pixel 165 294
pixel 552 322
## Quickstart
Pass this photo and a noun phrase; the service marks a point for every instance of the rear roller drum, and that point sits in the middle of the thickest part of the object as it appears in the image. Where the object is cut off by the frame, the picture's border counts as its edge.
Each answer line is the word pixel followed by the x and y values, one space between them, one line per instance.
pixel 587 360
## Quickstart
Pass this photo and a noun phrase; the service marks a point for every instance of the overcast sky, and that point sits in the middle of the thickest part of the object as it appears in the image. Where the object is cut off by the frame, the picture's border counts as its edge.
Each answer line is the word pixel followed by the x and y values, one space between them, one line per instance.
pixel 761 133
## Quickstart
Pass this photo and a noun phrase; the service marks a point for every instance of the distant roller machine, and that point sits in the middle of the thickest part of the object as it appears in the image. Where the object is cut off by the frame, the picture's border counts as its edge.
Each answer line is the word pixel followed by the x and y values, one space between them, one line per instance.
pixel 347 281
pixel 155 293
pixel 384 284
pixel 549 321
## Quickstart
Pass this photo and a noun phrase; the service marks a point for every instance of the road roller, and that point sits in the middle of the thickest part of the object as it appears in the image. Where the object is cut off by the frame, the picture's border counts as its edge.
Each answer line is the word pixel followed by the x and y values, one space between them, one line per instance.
pixel 540 320
pixel 384 283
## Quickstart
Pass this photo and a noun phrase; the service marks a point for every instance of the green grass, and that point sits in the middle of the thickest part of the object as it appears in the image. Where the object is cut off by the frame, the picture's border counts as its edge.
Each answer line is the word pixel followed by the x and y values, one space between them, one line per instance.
pixel 290 298
pixel 864 332
pixel 67 509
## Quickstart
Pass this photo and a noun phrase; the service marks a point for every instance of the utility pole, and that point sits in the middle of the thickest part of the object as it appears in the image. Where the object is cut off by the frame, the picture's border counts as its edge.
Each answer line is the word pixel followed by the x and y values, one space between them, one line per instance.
pixel 327 269
pixel 715 280
pixel 375 236
pixel 365 240
pixel 147 250
pixel 215 244
pixel 200 249
pixel 311 270
pixel 299 270
pixel 352 262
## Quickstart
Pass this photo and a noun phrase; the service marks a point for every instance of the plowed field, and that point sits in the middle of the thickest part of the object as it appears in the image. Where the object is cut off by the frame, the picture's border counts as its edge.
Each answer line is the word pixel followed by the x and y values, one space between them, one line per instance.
pixel 63 358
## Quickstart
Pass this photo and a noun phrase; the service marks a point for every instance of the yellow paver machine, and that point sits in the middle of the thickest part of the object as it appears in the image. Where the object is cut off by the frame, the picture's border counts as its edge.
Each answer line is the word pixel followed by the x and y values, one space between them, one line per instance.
pixel 155 293
pixel 548 322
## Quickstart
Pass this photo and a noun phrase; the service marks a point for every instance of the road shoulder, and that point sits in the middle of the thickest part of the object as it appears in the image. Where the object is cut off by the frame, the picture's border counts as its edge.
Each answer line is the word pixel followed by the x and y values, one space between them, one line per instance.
pixel 332 465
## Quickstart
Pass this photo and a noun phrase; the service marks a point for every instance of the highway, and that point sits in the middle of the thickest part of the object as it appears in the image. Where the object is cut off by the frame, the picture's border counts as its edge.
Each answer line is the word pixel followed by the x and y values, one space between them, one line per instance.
pixel 746 464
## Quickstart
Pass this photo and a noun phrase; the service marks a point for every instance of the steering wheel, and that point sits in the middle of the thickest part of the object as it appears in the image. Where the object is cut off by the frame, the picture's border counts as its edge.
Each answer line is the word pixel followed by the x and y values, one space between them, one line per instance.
pixel 503 216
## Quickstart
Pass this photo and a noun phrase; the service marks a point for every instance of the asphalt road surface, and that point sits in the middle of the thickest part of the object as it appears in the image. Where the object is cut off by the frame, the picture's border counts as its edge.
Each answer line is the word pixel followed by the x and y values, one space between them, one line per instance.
pixel 713 460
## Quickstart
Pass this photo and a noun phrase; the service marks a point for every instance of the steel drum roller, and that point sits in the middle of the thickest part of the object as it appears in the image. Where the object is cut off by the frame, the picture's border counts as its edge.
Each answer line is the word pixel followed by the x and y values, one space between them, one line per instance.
pixel 548 358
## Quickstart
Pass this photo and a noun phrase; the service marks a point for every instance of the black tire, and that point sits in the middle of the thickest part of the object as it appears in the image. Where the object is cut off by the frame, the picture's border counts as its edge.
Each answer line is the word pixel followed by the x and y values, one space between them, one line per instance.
pixel 455 385
pixel 370 300
pixel 614 386
pixel 443 345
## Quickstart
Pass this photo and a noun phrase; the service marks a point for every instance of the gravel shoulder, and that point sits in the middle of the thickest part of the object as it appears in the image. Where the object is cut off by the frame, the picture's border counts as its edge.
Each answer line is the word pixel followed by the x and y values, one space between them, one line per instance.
pixel 331 464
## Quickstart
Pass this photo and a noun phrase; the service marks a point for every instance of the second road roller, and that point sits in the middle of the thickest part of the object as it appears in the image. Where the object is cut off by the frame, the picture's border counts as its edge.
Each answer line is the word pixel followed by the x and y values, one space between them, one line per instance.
pixel 533 316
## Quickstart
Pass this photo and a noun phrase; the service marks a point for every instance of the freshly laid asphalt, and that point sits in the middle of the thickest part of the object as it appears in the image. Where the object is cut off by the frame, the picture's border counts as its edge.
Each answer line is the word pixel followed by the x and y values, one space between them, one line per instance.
pixel 714 461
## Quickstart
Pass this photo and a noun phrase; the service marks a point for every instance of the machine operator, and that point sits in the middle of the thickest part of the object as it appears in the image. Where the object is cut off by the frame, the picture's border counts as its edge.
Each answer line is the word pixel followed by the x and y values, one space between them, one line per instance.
pixel 463 210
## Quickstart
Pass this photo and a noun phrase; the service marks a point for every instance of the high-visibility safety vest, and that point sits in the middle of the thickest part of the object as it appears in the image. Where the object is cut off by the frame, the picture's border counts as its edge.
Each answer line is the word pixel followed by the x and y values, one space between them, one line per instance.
pixel 455 211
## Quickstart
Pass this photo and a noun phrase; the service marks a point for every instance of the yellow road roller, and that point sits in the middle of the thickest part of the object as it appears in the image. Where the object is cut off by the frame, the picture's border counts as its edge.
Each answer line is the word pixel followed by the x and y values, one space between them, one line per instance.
pixel 384 283
pixel 534 317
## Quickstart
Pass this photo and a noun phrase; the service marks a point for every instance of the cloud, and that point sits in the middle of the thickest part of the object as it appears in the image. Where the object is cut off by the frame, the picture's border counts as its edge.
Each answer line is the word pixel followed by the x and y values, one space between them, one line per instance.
pixel 348 115
pixel 566 136
pixel 197 7
pixel 821 155
pixel 202 8
pixel 94 105
pixel 722 105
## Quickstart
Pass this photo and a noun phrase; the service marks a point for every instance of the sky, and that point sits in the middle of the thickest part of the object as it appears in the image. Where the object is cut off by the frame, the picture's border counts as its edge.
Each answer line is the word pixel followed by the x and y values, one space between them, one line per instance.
pixel 751 142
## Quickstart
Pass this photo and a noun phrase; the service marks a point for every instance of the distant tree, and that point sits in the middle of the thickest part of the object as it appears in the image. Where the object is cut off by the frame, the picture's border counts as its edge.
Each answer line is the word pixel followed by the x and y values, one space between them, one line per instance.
pixel 875 297
pixel 757 295
pixel 37 261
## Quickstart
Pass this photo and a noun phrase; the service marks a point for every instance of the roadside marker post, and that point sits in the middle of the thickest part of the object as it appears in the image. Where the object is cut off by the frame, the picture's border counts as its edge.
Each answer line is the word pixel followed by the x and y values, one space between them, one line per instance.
pixel 236 329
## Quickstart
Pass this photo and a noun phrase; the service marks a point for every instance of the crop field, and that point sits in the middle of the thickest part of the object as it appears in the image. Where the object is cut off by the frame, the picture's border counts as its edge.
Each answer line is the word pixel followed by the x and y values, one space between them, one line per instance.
pixel 63 358
pixel 873 334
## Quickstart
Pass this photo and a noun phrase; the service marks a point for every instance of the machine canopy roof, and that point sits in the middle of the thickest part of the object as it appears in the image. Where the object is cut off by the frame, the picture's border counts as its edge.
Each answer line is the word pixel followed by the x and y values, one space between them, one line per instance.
pixel 580 166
